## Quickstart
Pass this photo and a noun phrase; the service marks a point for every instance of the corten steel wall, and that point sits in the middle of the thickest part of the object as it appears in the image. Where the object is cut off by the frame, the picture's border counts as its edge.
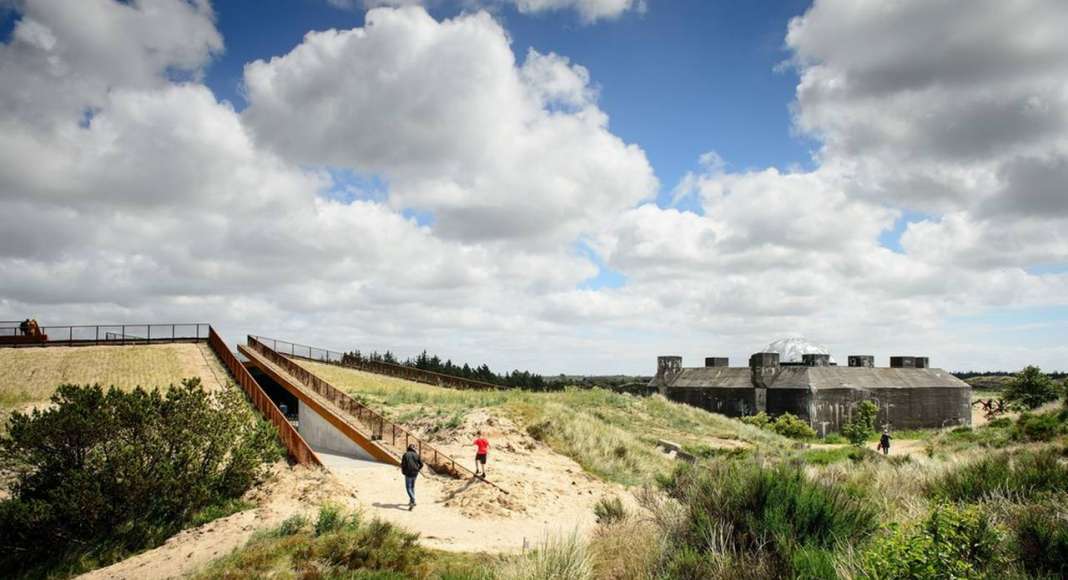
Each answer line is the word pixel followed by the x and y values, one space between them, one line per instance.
pixel 297 447
pixel 323 355
pixel 384 429
pixel 901 408
pixel 729 401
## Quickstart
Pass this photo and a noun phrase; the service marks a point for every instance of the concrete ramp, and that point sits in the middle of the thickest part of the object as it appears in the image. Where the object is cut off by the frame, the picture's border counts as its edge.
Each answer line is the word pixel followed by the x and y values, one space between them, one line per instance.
pixel 322 423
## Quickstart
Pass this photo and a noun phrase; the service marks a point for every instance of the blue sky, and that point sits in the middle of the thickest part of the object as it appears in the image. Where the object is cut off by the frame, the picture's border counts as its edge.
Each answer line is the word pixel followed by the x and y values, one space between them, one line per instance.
pixel 701 76
pixel 423 184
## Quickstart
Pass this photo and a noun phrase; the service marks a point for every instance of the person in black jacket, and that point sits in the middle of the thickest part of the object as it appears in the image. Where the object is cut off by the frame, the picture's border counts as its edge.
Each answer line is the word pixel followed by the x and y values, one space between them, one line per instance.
pixel 411 464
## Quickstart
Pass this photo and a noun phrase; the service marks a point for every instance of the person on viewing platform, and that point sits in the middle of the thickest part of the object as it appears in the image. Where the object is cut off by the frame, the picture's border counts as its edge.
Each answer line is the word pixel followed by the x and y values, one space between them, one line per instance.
pixel 884 442
pixel 481 449
pixel 411 465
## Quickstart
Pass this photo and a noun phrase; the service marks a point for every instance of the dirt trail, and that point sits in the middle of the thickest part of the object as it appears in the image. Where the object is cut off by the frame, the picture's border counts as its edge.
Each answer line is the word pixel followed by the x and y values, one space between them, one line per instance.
pixel 291 490
pixel 547 492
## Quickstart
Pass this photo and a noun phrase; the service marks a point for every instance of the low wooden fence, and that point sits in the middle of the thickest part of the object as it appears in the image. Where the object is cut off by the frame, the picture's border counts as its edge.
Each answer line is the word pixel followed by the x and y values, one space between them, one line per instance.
pixel 295 445
pixel 405 372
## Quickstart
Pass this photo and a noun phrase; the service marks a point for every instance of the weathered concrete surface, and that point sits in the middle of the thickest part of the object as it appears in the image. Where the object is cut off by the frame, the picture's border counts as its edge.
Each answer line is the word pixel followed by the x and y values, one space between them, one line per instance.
pixel 824 396
pixel 323 436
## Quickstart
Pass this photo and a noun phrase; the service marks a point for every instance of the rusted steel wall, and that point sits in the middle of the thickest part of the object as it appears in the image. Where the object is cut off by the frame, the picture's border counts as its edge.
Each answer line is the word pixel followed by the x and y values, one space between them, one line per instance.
pixel 295 444
pixel 382 428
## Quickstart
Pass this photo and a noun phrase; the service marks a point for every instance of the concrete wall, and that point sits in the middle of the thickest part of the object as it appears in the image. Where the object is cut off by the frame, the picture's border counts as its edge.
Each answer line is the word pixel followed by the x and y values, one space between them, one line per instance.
pixel 902 408
pixel 732 402
pixel 322 436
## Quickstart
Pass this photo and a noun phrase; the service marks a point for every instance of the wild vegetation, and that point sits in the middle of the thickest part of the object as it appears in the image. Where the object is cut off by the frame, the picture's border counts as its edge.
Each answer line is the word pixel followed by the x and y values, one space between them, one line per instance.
pixel 103 473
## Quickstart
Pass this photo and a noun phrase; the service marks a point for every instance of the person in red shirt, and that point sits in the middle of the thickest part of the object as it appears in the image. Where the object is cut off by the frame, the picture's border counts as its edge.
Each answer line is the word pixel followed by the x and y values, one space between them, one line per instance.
pixel 481 448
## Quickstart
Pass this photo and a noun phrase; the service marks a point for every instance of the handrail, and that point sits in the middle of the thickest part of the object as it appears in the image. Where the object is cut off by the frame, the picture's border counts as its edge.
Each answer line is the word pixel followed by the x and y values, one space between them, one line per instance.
pixel 438 461
pixel 297 447
pixel 379 367
pixel 109 334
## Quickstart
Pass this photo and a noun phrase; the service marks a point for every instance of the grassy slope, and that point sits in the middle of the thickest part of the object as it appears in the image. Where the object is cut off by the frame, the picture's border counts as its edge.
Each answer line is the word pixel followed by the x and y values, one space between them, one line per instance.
pixel 612 436
pixel 31 374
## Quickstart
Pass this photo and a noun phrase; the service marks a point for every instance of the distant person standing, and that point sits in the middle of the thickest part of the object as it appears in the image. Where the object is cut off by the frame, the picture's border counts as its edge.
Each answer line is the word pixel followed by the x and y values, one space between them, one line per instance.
pixel 481 449
pixel 411 465
pixel 884 442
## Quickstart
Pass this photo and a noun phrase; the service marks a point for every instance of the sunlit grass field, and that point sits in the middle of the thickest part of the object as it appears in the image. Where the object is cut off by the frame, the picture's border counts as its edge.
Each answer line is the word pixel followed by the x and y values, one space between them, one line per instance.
pixel 31 375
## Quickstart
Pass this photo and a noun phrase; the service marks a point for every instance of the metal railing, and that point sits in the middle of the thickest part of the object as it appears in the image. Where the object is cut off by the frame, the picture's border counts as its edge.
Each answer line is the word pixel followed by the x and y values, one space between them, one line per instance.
pixel 405 372
pixel 295 445
pixel 100 334
pixel 382 429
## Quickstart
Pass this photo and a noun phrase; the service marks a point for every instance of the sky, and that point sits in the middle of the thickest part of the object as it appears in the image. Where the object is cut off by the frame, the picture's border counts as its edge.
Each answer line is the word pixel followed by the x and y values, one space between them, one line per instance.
pixel 565 186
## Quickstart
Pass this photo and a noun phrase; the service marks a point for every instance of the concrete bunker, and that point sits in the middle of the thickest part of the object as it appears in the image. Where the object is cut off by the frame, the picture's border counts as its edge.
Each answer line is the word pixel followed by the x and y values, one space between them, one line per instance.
pixel 909 393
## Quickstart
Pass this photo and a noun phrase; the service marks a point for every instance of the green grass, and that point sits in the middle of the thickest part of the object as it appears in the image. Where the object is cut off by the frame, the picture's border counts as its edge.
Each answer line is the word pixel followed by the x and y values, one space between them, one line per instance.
pixel 611 435
pixel 342 545
pixel 214 512
pixel 1020 475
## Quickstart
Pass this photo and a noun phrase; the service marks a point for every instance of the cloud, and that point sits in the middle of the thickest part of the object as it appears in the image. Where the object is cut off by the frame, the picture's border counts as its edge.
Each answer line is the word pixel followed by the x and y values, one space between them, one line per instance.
pixel 494 149
pixel 129 192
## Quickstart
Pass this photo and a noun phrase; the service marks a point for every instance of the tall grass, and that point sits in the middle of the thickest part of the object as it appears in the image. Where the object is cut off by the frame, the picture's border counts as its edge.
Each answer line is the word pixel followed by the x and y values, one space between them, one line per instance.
pixel 563 557
pixel 742 512
pixel 1020 475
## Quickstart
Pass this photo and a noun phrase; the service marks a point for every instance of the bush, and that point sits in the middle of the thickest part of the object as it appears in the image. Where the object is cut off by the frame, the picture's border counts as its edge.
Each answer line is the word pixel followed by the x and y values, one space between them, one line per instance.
pixel 760 420
pixel 112 471
pixel 1042 542
pixel 1042 427
pixel 1022 474
pixel 750 510
pixel 1031 389
pixel 789 425
pixel 291 525
pixel 861 424
pixel 954 542
pixel 609 510
pixel 329 520
pixel 377 545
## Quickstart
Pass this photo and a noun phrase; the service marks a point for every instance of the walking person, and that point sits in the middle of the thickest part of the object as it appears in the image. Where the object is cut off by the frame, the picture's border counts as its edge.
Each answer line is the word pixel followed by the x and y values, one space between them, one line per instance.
pixel 884 442
pixel 481 449
pixel 411 465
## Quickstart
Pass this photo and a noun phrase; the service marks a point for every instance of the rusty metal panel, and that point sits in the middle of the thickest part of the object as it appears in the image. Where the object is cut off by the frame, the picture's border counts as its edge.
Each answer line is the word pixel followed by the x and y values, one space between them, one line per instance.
pixel 296 446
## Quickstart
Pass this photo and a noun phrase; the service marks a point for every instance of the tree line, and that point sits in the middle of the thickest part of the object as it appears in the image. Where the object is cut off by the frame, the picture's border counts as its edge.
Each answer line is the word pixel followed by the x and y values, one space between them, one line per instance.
pixel 516 379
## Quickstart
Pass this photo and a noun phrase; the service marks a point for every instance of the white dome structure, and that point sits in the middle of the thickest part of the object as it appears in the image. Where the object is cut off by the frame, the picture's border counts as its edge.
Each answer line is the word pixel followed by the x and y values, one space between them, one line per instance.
pixel 791 349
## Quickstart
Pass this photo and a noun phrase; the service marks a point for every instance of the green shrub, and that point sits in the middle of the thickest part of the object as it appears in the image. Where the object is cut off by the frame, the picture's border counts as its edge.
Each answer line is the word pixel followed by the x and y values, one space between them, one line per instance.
pixel 1000 423
pixel 123 469
pixel 861 424
pixel 761 420
pixel 1042 427
pixel 752 509
pixel 827 456
pixel 609 510
pixel 377 545
pixel 291 525
pixel 953 542
pixel 1031 389
pixel 789 425
pixel 1022 474
pixel 834 439
pixel 329 520
pixel 1042 541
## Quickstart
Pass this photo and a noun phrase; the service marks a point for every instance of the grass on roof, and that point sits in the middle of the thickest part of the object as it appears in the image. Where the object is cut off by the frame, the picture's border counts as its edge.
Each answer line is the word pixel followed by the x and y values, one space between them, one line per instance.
pixel 31 375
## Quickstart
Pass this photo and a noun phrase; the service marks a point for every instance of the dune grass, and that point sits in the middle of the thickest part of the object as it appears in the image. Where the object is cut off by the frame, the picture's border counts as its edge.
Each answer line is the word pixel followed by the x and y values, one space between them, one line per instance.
pixel 31 375
pixel 612 435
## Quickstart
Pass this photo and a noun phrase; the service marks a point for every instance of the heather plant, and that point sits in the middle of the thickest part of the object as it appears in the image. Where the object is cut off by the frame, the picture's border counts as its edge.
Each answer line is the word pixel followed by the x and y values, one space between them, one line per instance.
pixel 102 473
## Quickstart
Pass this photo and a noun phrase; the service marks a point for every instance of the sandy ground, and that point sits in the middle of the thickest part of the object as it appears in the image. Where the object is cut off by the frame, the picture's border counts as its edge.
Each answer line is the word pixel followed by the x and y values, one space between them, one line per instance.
pixel 547 494
pixel 291 490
